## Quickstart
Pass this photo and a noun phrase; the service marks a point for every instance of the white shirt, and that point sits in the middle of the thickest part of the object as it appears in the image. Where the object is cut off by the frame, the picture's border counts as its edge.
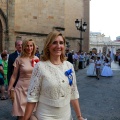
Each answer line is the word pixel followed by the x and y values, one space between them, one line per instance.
pixel 76 57
pixel 97 63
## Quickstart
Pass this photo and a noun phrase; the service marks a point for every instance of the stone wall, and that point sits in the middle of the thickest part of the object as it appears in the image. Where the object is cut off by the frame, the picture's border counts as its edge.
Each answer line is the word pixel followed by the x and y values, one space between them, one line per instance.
pixel 3 6
pixel 36 18
pixel 87 20
pixel 39 16
pixel 73 10
pixel 3 20
pixel 11 23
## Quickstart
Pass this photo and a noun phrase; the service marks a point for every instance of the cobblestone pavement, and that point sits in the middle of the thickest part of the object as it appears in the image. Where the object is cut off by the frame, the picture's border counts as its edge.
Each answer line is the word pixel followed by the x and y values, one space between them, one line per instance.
pixel 99 99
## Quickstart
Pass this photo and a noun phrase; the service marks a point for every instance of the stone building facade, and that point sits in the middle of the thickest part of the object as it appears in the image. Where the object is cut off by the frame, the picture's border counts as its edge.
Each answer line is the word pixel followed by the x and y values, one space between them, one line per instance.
pixel 102 43
pixel 20 19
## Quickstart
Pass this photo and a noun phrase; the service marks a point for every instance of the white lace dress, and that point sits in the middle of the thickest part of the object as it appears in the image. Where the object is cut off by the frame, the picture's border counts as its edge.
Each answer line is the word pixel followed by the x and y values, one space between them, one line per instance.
pixel 50 88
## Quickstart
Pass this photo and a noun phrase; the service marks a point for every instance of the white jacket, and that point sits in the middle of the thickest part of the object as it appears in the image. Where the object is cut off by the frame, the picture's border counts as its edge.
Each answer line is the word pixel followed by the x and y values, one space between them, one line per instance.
pixel 50 86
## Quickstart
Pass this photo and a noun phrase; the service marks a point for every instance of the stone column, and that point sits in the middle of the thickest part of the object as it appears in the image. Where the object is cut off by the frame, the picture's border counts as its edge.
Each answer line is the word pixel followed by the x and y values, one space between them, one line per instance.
pixel 86 19
pixel 11 16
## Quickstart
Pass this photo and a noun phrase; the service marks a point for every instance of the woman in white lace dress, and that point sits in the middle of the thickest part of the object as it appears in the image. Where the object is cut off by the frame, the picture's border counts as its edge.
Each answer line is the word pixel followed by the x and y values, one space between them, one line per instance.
pixel 53 84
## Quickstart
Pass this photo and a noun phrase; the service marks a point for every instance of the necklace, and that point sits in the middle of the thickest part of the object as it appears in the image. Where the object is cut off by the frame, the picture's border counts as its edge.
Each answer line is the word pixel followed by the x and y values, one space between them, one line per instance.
pixel 56 63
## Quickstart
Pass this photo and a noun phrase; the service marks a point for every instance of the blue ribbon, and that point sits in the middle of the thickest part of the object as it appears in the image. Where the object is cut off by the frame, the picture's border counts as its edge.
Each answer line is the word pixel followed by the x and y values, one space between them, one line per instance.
pixel 69 75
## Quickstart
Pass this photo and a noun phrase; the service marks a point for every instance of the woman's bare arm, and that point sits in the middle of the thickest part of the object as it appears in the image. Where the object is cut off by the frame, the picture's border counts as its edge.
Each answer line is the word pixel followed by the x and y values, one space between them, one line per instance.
pixel 12 79
pixel 76 107
pixel 29 110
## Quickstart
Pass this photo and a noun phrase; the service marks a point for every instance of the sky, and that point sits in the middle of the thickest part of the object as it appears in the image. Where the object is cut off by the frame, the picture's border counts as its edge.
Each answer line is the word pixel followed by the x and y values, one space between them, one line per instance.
pixel 105 17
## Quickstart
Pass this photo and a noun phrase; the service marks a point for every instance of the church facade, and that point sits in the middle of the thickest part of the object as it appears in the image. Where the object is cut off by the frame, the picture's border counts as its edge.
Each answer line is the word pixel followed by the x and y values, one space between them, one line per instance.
pixel 20 19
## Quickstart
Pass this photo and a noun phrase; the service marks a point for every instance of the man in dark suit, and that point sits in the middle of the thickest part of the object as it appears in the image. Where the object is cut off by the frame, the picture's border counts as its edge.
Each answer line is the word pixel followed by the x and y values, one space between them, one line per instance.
pixel 11 59
pixel 69 56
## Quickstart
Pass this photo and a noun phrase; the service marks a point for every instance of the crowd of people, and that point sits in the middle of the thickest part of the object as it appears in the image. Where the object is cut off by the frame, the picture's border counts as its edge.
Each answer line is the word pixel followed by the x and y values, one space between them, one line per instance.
pixel 43 90
pixel 44 86
pixel 98 64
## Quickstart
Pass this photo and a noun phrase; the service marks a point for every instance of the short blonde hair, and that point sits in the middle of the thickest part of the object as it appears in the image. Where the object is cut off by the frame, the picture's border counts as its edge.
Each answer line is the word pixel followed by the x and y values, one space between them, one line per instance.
pixel 24 44
pixel 50 38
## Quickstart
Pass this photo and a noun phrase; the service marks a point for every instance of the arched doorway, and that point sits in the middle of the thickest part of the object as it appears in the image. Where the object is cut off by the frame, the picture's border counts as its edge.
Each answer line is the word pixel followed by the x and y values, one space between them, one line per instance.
pixel 1 36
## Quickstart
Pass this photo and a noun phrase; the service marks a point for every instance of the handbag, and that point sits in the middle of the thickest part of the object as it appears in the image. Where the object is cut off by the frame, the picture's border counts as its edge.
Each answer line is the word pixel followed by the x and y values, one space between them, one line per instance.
pixel 12 95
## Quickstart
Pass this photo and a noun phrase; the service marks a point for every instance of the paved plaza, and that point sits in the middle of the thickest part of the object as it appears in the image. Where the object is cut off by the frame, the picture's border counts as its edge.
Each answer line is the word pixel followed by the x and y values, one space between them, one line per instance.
pixel 99 99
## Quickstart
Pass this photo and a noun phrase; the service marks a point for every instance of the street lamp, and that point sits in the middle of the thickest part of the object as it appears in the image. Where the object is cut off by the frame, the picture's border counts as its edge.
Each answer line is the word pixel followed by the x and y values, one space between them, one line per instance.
pixel 81 27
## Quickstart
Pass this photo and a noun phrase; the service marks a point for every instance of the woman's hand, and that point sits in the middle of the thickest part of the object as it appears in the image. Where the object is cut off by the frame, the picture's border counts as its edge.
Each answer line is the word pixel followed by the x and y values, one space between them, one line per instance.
pixel 80 118
pixel 9 92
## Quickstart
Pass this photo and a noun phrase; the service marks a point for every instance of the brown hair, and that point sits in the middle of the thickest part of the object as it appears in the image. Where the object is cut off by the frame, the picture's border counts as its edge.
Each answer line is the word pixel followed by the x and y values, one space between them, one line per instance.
pixel 24 44
pixel 50 38
pixel 3 55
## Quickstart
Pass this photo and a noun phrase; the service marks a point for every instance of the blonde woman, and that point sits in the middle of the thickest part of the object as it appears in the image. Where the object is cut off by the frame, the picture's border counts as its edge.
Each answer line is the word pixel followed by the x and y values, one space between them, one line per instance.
pixel 24 66
pixel 53 83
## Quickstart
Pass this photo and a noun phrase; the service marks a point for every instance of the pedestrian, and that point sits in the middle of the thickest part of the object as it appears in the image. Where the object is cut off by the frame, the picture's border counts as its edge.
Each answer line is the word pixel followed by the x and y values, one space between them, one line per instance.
pixel 37 53
pixel 5 68
pixel 98 65
pixel 88 58
pixel 76 60
pixel 3 97
pixel 91 70
pixel 118 59
pixel 53 83
pixel 24 65
pixel 107 71
pixel 69 56
pixel 11 59
pixel 5 52
pixel 81 60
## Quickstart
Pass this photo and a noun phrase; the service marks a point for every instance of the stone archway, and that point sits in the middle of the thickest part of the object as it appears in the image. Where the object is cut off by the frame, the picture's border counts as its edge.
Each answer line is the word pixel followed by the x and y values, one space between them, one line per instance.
pixel 1 36
pixel 3 30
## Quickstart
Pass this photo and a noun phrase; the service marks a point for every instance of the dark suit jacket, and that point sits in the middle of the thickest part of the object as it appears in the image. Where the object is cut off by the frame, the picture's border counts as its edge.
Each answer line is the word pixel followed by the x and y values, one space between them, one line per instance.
pixel 11 60
pixel 70 58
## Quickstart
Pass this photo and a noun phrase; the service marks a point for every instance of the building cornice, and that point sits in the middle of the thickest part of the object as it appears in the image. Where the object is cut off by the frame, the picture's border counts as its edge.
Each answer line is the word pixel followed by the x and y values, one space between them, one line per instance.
pixel 30 33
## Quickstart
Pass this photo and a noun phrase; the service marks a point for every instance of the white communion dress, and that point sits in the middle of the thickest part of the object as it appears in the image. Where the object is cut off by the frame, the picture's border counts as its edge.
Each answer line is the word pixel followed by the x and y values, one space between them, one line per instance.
pixel 50 88
pixel 91 71
pixel 107 71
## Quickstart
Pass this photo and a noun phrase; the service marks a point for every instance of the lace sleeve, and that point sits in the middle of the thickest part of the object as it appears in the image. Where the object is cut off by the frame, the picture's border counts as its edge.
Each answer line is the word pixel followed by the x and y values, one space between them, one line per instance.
pixel 74 90
pixel 35 85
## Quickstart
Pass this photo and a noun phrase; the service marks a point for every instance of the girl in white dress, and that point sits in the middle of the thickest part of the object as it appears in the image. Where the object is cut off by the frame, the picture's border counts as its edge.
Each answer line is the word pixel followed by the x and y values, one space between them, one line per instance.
pixel 107 71
pixel 91 71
